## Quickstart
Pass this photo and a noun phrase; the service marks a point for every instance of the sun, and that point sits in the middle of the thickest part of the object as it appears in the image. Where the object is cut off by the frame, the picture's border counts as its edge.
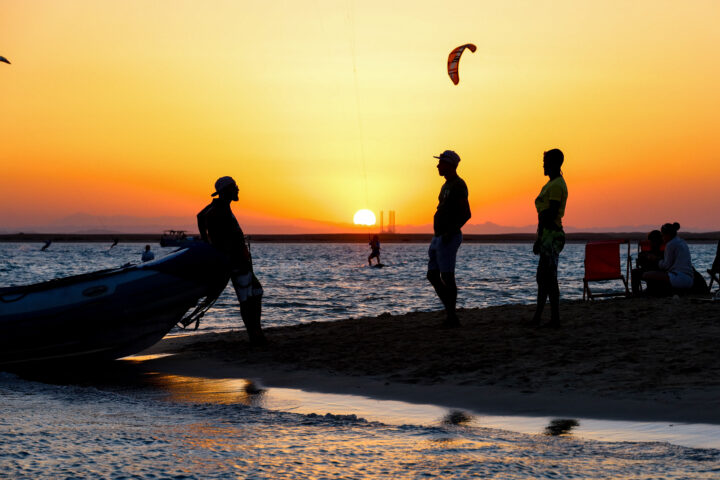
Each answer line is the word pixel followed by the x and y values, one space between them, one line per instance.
pixel 364 217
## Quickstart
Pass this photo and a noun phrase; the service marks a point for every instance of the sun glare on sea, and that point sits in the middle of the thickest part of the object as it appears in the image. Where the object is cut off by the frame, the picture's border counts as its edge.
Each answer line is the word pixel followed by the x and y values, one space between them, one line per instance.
pixel 364 217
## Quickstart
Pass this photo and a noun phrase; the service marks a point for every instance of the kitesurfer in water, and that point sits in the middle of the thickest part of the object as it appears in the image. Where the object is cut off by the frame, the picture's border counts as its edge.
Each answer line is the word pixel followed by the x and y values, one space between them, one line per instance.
pixel 453 211
pixel 375 250
pixel 219 227
pixel 47 244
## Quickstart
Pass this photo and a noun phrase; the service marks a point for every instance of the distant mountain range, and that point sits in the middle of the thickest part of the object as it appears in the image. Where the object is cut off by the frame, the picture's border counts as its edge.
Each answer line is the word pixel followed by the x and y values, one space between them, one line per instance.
pixel 94 224
pixel 490 228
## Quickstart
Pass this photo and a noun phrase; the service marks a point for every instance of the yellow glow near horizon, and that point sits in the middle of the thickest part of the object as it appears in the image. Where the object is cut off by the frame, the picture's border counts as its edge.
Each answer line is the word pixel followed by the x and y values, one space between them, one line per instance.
pixel 364 217
pixel 136 107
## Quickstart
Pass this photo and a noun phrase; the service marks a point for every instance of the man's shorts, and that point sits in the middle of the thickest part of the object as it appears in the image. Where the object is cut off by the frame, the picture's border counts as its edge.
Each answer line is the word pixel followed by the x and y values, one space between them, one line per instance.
pixel 443 254
pixel 246 285
pixel 547 269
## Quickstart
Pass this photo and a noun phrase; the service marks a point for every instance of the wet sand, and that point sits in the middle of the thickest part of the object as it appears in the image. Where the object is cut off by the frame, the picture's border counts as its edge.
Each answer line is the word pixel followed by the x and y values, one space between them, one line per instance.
pixel 632 359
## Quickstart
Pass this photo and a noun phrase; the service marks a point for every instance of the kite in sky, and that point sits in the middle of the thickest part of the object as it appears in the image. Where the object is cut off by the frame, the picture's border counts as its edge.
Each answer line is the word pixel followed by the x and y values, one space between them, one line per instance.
pixel 454 61
pixel 3 59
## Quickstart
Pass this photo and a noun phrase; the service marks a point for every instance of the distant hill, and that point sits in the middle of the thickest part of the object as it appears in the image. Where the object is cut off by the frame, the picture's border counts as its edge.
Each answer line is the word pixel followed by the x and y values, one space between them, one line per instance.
pixel 82 223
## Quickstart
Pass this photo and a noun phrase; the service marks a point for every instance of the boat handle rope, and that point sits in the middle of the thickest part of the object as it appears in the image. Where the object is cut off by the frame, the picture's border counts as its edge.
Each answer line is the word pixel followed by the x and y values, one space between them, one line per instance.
pixel 20 296
pixel 203 306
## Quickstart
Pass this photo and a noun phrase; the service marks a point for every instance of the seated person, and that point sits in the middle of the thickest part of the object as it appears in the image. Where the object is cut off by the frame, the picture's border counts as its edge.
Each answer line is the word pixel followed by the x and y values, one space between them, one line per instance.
pixel 675 270
pixel 647 260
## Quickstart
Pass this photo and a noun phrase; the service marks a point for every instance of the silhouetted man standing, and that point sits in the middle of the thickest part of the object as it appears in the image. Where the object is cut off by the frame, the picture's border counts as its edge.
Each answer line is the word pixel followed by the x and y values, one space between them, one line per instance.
pixel 453 211
pixel 219 227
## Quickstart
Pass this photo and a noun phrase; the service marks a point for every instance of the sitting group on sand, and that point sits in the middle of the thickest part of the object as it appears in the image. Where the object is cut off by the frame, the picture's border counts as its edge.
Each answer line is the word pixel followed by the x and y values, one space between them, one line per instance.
pixel 666 267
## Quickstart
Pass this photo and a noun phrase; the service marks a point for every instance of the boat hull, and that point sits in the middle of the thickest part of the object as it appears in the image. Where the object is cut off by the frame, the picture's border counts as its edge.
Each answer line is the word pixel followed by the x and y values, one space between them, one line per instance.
pixel 109 314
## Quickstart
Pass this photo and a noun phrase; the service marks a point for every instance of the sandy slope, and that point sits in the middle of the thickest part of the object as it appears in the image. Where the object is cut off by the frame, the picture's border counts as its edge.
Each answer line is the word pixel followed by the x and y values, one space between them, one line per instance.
pixel 623 358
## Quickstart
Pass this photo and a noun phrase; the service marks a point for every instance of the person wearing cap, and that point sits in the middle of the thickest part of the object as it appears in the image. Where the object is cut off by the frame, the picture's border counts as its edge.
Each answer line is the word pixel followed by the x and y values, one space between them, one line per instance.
pixel 219 227
pixel 453 211
pixel 550 240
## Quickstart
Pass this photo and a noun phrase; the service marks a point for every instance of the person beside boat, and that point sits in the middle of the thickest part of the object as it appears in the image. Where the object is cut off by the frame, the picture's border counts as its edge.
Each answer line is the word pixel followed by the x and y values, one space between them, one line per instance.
pixel 219 227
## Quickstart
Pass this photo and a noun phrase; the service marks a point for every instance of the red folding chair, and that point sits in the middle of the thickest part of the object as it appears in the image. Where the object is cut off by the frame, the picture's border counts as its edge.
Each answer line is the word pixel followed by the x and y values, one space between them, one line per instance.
pixel 602 263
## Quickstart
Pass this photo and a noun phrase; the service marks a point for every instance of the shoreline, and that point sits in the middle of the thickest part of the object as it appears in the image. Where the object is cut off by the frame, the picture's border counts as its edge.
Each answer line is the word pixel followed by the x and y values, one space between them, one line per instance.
pixel 621 359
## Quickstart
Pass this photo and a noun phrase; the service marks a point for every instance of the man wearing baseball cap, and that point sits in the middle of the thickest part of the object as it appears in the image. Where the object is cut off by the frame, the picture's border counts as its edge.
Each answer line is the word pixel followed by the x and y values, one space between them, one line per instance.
pixel 453 211
pixel 219 227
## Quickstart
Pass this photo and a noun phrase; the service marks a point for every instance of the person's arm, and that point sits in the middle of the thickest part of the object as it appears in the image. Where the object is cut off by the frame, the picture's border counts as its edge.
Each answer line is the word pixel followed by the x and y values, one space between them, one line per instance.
pixel 669 259
pixel 202 224
pixel 546 218
pixel 465 213
pixel 461 214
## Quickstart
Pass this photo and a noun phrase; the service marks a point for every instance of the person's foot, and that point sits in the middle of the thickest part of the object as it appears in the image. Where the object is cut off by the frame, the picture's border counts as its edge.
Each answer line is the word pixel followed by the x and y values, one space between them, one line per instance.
pixel 449 326
pixel 532 322
pixel 451 321
pixel 554 324
pixel 258 340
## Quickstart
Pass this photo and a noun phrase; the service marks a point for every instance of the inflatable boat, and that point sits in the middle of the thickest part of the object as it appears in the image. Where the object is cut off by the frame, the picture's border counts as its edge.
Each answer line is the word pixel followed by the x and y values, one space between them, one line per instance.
pixel 110 313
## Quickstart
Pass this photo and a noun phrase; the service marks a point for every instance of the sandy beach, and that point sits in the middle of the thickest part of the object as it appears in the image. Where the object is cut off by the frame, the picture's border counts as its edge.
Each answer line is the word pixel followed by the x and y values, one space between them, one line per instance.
pixel 640 359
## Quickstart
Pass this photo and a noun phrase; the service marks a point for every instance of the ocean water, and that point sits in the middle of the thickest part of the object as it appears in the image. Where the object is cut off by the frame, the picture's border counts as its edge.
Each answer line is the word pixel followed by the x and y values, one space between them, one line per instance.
pixel 319 282
pixel 147 426
pixel 128 421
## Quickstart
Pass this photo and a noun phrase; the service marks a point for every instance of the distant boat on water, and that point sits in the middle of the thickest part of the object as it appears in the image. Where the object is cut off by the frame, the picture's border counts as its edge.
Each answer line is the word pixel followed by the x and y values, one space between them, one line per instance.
pixel 110 313
pixel 175 238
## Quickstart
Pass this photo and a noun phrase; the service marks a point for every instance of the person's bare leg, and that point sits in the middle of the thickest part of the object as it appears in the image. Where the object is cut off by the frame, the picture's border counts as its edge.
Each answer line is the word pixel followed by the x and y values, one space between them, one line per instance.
pixel 542 293
pixel 433 277
pixel 251 313
pixel 658 282
pixel 448 280
pixel 554 294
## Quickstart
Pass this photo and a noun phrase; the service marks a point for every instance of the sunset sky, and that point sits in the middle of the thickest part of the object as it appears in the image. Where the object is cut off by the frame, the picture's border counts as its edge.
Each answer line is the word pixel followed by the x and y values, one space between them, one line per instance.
pixel 321 108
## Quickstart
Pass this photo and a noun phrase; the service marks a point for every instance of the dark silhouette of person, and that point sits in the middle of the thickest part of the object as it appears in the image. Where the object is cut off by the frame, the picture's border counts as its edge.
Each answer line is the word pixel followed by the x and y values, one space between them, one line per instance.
pixel 47 244
pixel 147 254
pixel 115 242
pixel 219 227
pixel 550 240
pixel 714 270
pixel 647 260
pixel 453 211
pixel 375 249
pixel 675 271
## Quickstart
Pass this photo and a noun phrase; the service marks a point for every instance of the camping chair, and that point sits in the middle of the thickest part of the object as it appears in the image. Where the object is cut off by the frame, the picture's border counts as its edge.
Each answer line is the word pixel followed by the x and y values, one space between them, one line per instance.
pixel 714 271
pixel 602 263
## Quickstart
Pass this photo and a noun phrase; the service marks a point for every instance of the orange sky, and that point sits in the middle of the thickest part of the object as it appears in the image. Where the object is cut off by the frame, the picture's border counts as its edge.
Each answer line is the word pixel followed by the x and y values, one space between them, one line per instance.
pixel 320 108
